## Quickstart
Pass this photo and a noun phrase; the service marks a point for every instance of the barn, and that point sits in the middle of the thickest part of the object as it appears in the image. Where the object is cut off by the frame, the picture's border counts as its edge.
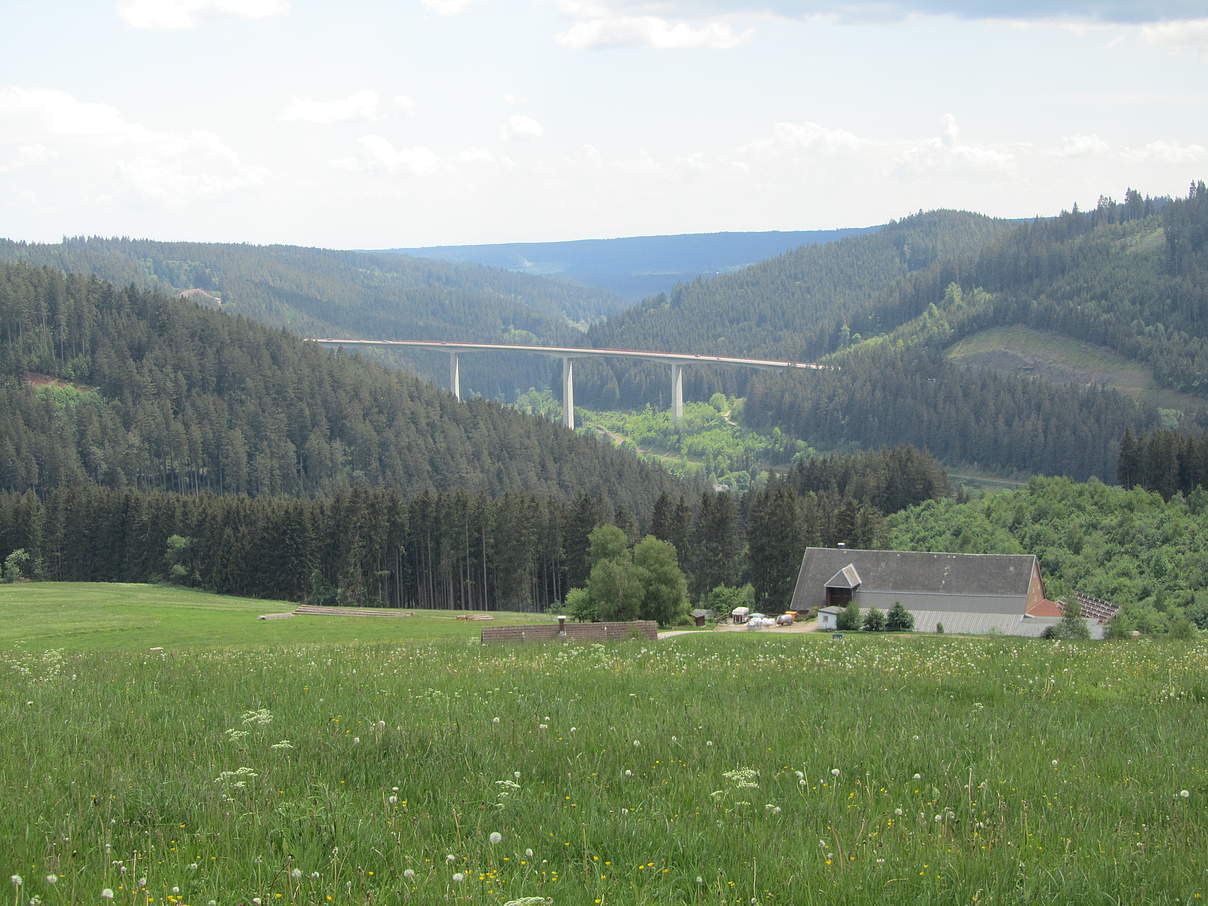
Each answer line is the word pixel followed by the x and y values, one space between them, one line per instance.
pixel 967 593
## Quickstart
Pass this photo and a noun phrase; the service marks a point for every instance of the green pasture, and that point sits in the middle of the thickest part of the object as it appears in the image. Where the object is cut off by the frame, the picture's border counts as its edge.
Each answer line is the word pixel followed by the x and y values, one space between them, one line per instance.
pixel 119 616
pixel 708 769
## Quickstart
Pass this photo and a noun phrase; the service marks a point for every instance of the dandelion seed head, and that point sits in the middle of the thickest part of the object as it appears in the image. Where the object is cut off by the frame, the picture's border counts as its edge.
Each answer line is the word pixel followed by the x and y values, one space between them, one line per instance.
pixel 450 858
pixel 409 874
pixel 495 837
pixel 1184 793
pixel 835 772
pixel 106 894
pixel 52 879
pixel 458 877
pixel 295 873
pixel 918 777
pixel 16 879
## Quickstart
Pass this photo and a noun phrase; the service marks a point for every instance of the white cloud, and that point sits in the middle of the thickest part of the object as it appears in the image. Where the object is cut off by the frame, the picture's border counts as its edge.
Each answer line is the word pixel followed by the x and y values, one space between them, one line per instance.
pixel 649 31
pixel 475 156
pixel 447 7
pixel 404 104
pixel 1081 146
pixel 47 126
pixel 178 14
pixel 379 155
pixel 520 126
pixel 1166 152
pixel 1189 34
pixel 360 105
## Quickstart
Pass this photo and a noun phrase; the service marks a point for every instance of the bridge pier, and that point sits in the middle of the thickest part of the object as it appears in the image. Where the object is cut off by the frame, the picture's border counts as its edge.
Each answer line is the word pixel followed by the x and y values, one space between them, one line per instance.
pixel 677 392
pixel 568 393
pixel 454 375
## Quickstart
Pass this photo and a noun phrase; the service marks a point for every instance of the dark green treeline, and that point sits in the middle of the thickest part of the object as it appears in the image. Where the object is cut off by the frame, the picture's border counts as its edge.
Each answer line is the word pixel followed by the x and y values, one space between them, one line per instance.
pixel 514 551
pixel 1164 461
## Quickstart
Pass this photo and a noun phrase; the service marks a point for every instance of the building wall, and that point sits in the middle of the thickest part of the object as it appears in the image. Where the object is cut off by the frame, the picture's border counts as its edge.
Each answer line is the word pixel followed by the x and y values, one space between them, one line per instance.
pixel 1035 588
pixel 885 599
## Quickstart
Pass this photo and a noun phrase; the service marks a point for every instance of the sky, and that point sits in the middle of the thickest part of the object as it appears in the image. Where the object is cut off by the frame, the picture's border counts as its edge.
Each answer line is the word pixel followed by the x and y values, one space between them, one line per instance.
pixel 364 124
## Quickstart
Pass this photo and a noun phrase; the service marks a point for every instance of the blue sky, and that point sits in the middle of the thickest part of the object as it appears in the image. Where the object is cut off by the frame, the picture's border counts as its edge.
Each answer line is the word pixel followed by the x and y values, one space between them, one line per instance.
pixel 417 122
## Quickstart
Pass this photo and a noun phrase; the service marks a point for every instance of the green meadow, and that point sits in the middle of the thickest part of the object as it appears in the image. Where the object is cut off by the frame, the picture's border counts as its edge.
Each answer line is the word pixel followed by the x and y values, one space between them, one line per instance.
pixel 713 768
pixel 118 616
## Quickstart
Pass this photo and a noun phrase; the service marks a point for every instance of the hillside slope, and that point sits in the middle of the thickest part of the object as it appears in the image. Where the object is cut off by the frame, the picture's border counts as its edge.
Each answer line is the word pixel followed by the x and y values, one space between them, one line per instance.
pixel 1130 278
pixel 319 292
pixel 636 267
pixel 790 307
pixel 159 393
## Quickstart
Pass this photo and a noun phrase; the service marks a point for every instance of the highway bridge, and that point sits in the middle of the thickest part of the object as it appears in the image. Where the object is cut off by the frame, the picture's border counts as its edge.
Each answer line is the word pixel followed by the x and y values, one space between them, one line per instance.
pixel 677 361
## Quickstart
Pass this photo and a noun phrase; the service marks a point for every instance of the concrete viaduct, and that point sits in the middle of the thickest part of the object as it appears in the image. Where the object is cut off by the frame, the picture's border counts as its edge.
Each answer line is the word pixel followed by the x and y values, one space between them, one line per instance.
pixel 677 361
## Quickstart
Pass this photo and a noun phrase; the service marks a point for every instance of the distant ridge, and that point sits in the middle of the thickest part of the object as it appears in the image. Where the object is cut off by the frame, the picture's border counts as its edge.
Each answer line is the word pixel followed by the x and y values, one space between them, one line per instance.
pixel 635 267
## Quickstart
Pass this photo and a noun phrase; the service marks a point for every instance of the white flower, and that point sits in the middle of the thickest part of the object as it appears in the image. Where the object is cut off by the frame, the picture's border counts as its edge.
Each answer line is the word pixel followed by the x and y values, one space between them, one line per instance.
pixel 409 874
pixel 314 875
pixel 295 873
pixel 52 879
pixel 142 882
pixel 16 879
pixel 542 726
pixel 528 853
pixel 393 800
pixel 1184 793
pixel 516 774
pixel 1053 762
pixel 495 837
pixel 450 858
pixel 106 894
pixel 193 866
pixel 835 772
pixel 708 742
pixel 918 776
pixel 381 725
pixel 573 730
pixel 458 877
pixel 257 901
pixel 898 812
pixel 628 773
pixel 494 720
pixel 637 742
pixel 356 740
pixel 175 891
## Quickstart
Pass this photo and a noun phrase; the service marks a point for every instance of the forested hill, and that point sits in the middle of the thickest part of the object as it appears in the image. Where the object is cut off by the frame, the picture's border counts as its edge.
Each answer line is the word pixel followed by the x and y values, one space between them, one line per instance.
pixel 1131 276
pixel 635 267
pixel 130 388
pixel 791 307
pixel 320 292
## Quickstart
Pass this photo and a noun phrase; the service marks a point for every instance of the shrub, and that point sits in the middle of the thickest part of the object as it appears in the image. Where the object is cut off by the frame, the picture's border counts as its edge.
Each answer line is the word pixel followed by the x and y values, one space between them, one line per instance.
pixel 874 620
pixel 900 619
pixel 939 628
pixel 849 617
pixel 14 563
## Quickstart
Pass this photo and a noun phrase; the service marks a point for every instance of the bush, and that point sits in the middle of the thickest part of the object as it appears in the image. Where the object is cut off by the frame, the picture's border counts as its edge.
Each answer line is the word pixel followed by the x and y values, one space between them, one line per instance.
pixel 580 606
pixel 900 619
pixel 939 628
pixel 13 565
pixel 849 618
pixel 874 620
pixel 1182 629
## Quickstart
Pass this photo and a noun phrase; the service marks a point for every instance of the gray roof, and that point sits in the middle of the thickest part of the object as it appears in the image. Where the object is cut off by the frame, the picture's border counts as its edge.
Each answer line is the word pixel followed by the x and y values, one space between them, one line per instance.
pixel 916 572
pixel 845 578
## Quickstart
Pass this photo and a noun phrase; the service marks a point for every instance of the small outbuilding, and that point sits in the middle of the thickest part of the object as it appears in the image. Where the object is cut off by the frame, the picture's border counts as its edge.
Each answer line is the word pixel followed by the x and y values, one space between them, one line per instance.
pixel 828 618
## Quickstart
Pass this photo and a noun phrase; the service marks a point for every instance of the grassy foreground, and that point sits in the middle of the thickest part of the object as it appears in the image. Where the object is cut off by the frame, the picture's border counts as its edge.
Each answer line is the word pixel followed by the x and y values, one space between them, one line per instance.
pixel 124 616
pixel 708 769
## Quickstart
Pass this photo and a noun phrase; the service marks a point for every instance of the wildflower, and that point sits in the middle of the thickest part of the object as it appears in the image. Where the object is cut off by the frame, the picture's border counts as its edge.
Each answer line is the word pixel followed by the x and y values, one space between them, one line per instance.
pixel 409 874
pixel 1053 762
pixel 257 901
pixel 835 772
pixel 528 853
pixel 296 873
pixel 1184 793
pixel 283 744
pixel 918 776
pixel 16 879
pixel 637 743
pixel 458 877
pixel 107 894
pixel 381 725
pixel 356 740
pixel 175 891
pixel 516 774
pixel 52 879
pixel 542 726
pixel 193 866
pixel 573 730
pixel 393 800
pixel 628 773
pixel 142 882
pixel 494 720
pixel 495 837
pixel 314 875
pixel 526 901
pixel 450 858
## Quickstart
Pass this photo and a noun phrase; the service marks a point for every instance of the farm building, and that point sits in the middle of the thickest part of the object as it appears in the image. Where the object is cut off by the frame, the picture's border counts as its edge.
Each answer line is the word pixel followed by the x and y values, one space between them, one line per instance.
pixel 967 593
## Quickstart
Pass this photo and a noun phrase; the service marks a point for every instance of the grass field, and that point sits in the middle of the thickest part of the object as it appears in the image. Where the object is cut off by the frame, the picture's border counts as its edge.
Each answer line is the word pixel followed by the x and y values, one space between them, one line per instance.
pixel 709 769
pixel 1060 358
pixel 116 616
